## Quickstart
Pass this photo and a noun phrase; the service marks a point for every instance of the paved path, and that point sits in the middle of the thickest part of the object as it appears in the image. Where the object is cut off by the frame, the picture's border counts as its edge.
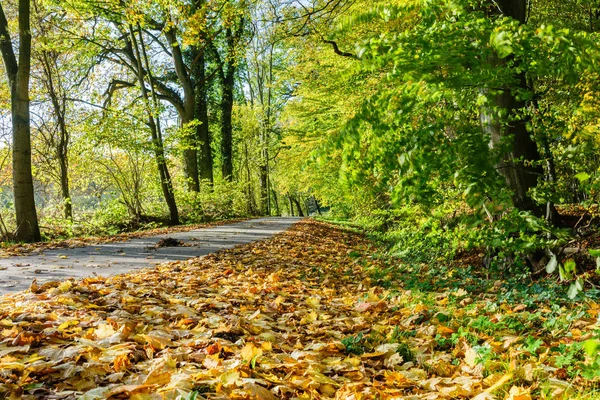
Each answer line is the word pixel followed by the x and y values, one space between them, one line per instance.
pixel 16 273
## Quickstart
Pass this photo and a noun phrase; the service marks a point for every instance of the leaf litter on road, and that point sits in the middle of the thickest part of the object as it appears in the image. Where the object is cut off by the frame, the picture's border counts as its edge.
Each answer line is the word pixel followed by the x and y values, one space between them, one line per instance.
pixel 8 249
pixel 294 317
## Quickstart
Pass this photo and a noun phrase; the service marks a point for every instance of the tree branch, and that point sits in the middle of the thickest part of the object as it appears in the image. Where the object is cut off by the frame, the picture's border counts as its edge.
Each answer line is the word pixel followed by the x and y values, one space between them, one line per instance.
pixel 115 85
pixel 8 54
pixel 337 50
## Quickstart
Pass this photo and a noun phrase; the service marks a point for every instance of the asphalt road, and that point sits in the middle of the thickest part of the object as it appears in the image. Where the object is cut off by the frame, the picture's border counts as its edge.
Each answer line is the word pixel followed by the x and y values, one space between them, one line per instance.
pixel 17 273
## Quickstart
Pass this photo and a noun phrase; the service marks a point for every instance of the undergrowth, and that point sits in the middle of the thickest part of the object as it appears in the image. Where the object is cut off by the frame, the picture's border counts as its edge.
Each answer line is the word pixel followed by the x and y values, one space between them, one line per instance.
pixel 476 278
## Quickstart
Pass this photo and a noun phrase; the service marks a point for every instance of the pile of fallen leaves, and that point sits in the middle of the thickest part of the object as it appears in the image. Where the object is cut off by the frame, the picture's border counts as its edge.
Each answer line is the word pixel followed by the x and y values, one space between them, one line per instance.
pixel 169 242
pixel 293 317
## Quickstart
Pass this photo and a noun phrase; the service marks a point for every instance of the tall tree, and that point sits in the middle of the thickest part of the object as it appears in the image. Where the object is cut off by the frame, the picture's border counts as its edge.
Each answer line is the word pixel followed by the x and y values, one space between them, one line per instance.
pixel 62 69
pixel 179 32
pixel 189 64
pixel 226 70
pixel 129 49
pixel 227 87
pixel 520 164
pixel 260 80
pixel 18 74
pixel 186 105
pixel 152 108
pixel 200 82
pixel 53 86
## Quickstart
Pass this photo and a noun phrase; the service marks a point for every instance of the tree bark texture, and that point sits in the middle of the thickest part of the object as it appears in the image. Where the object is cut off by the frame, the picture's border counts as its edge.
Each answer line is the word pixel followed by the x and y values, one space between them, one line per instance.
pixel 291 204
pixel 18 74
pixel 186 113
pixel 200 87
pixel 317 206
pixel 264 190
pixel 277 212
pixel 228 70
pixel 299 207
pixel 226 124
pixel 205 165
pixel 249 188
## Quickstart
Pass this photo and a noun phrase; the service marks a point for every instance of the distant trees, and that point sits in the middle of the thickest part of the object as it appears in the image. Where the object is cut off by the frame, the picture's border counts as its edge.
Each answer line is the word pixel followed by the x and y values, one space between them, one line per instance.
pixel 181 75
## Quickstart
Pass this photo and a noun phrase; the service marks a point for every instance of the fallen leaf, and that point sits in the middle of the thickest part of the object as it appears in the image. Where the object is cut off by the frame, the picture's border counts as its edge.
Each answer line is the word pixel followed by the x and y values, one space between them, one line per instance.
pixel 518 393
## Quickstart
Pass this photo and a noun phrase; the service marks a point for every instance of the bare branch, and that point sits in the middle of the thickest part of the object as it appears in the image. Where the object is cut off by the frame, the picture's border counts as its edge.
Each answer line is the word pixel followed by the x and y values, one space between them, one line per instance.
pixel 337 50
pixel 115 85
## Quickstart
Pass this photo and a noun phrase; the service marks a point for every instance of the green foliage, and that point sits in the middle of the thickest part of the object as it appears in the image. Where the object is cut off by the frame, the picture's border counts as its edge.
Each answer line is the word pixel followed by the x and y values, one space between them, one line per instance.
pixel 111 217
pixel 532 344
pixel 402 132
pixel 221 201
pixel 422 132
pixel 432 241
pixel 354 344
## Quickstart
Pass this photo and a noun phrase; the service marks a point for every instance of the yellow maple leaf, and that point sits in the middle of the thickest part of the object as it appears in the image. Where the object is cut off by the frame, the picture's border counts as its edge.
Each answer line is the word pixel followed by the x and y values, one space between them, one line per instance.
pixel 249 352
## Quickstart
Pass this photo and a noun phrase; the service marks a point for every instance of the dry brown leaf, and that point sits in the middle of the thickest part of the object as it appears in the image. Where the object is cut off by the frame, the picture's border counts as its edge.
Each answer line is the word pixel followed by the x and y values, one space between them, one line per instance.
pixel 518 393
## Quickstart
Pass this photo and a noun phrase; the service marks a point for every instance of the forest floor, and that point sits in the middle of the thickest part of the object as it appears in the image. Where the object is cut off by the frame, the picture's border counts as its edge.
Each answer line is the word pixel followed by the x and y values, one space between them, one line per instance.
pixel 79 258
pixel 312 313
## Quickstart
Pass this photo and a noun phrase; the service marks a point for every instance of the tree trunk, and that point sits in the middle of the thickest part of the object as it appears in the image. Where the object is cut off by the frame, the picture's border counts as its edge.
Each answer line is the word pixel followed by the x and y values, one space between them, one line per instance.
pixel 190 165
pixel 64 188
pixel 299 207
pixel 317 206
pixel 264 190
pixel 275 203
pixel 520 165
pixel 186 113
pixel 198 68
pixel 250 191
pixel 154 125
pixel 291 205
pixel 18 77
pixel 226 117
pixel 58 100
pixel 205 165
pixel 157 143
pixel 516 9
pixel 520 161
pixel 266 138
pixel 62 153
pixel 26 214
pixel 200 86
pixel 63 159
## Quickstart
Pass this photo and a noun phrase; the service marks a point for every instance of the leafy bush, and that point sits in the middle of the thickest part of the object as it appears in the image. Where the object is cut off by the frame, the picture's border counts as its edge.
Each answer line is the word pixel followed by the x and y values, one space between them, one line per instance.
pixel 220 201
pixel 108 218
